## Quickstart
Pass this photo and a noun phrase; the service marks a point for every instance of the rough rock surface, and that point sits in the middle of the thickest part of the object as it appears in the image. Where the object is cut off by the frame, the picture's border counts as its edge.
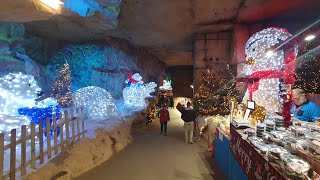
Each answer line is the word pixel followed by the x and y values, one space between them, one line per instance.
pixel 168 24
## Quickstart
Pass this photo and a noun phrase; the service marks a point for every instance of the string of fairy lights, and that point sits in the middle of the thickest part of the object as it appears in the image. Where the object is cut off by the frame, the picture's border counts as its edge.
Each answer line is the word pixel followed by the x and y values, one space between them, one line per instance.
pixel 308 72
pixel 61 88
pixel 215 93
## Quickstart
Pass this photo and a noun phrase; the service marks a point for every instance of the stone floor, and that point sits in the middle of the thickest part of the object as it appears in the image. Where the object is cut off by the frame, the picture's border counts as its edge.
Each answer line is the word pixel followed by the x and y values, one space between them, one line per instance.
pixel 152 156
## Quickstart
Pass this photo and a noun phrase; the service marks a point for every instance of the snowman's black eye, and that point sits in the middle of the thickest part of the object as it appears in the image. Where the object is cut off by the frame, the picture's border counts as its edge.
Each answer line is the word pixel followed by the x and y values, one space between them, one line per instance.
pixel 253 49
pixel 29 84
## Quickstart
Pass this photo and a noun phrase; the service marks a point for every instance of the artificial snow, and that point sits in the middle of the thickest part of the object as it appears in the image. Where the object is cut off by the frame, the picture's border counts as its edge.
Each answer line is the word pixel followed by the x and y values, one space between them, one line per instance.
pixel 104 138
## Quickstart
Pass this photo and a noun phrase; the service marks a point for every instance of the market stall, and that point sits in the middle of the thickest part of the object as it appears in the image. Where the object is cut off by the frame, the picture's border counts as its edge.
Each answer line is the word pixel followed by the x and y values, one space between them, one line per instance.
pixel 279 154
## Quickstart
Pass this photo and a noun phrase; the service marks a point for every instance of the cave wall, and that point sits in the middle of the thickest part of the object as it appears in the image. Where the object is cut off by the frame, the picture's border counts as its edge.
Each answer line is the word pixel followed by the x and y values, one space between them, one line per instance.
pixel 210 49
pixel 104 64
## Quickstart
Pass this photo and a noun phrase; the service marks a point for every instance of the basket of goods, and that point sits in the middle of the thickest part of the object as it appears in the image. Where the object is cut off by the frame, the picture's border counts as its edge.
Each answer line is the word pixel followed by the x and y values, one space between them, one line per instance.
pixel 260 129
pixel 294 144
pixel 279 122
pixel 294 167
pixel 314 128
pixel 277 136
pixel 250 132
pixel 274 153
pixel 267 138
pixel 314 147
pixel 261 146
pixel 270 125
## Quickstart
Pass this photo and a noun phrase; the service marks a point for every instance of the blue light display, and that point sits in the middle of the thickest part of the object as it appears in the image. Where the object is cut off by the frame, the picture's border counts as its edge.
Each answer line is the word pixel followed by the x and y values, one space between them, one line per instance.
pixel 110 9
pixel 37 114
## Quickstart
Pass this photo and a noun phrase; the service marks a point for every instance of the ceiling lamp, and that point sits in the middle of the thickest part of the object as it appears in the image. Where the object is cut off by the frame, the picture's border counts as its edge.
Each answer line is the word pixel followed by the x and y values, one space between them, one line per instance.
pixel 54 4
pixel 309 37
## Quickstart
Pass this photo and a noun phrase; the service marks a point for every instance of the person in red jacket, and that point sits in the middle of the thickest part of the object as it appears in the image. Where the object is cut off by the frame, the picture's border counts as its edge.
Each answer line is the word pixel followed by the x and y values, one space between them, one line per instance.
pixel 164 118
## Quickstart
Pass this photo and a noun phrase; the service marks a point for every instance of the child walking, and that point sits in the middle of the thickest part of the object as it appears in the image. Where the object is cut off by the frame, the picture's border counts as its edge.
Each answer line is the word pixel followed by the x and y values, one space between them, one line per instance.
pixel 164 118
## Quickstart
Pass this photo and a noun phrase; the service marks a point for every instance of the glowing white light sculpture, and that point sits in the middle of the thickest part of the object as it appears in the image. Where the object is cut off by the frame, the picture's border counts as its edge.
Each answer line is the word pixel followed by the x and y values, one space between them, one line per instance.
pixel 166 86
pixel 17 90
pixel 136 91
pixel 265 61
pixel 12 122
pixel 97 101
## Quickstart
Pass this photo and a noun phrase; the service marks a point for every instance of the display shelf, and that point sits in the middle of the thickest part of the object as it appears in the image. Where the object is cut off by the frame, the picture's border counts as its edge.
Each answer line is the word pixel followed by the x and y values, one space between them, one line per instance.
pixel 224 158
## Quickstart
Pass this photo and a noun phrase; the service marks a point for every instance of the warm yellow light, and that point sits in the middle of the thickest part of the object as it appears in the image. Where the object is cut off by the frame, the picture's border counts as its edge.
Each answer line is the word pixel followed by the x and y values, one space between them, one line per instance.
pixel 310 37
pixel 55 4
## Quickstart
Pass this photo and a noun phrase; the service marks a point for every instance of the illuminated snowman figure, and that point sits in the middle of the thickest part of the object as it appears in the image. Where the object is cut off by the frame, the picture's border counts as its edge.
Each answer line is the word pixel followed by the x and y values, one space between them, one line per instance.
pixel 265 64
pixel 136 91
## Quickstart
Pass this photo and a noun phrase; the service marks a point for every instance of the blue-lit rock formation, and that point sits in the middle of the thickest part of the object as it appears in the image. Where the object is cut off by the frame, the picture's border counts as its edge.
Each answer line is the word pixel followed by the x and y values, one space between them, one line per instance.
pixel 110 9
pixel 103 66
pixel 13 57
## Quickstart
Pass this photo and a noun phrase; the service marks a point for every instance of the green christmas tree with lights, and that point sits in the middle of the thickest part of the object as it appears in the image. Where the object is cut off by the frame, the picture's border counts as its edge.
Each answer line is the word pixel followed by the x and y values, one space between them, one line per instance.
pixel 218 88
pixel 307 74
pixel 61 88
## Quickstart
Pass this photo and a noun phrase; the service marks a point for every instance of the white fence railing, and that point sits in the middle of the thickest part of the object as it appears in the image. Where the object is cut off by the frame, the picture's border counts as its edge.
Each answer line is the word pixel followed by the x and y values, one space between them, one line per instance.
pixel 33 148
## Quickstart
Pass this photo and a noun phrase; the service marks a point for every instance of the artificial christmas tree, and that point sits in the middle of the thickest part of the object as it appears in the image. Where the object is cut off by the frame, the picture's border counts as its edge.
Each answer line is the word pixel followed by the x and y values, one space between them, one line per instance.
pixel 61 89
pixel 216 92
pixel 307 73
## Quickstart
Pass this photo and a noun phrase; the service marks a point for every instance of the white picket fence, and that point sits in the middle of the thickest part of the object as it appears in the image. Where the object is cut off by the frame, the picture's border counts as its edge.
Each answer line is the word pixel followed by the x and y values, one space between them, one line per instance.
pixel 33 144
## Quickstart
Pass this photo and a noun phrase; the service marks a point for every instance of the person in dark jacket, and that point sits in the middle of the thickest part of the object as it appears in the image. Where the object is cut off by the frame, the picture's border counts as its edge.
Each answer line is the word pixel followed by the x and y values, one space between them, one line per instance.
pixel 188 115
pixel 164 117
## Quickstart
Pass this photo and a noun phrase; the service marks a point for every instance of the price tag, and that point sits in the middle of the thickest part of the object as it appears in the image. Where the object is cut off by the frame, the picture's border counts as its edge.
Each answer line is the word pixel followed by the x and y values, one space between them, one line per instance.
pixel 246 115
pixel 220 135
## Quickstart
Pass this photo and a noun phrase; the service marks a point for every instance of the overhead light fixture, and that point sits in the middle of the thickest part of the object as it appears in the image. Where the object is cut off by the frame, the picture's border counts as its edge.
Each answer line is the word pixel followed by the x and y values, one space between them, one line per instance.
pixel 269 53
pixel 54 4
pixel 309 37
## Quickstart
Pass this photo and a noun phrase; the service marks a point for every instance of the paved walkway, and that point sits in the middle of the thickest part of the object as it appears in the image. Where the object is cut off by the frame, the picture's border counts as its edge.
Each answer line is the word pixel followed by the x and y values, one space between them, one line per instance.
pixel 152 156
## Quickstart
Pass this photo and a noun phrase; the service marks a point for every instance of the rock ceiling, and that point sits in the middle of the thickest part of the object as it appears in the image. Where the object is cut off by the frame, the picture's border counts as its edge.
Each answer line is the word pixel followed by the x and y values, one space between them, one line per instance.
pixel 165 27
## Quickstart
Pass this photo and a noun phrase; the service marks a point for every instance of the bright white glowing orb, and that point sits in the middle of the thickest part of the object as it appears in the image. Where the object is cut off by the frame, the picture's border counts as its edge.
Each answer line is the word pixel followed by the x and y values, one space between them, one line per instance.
pixel 97 101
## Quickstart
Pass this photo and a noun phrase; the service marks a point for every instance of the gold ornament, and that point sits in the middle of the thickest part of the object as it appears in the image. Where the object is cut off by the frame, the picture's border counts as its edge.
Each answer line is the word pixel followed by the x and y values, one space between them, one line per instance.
pixel 250 61
pixel 258 114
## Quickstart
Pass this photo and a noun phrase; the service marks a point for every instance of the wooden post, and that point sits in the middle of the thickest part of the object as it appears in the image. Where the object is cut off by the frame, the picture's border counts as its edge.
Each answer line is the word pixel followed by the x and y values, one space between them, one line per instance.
pixel 82 121
pixel 41 154
pixel 48 128
pixel 78 123
pixel 72 124
pixel 12 173
pixel 23 150
pixel 66 120
pixel 61 133
pixel 33 146
pixel 1 155
pixel 55 134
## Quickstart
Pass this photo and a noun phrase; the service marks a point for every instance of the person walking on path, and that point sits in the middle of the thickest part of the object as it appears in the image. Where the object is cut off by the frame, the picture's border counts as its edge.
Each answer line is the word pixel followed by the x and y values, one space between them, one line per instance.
pixel 188 116
pixel 164 117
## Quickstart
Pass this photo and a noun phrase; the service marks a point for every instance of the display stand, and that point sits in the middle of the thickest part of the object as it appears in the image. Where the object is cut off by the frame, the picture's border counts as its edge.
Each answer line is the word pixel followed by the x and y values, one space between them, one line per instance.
pixel 251 161
pixel 224 158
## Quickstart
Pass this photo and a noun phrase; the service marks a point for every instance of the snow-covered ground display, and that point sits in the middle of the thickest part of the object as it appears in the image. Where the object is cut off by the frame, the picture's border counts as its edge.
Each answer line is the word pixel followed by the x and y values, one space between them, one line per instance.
pixel 104 138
